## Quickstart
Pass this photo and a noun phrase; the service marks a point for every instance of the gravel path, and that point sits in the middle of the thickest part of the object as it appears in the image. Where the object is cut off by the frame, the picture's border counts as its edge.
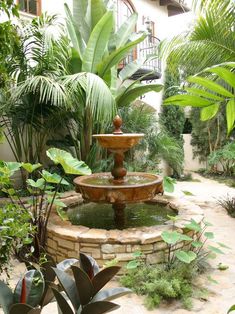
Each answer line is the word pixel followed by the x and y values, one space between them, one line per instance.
pixel 222 295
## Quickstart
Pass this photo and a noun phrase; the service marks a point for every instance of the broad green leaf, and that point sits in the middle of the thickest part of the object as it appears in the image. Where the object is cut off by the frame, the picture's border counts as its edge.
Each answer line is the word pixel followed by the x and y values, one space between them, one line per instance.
pixel 168 184
pixel 186 257
pixel 30 167
pixel 70 165
pixel 193 225
pixel 184 237
pixel 209 235
pixel 80 12
pixel 132 264
pixel 202 92
pixel 110 294
pixel 129 95
pixel 197 244
pixel 222 267
pixel 53 178
pixel 98 10
pixel 210 85
pixel 83 284
pixel 187 100
pixel 39 184
pixel 35 286
pixel 232 309
pixel 209 112
pixel 97 43
pixel 56 202
pixel 99 307
pixel 171 237
pixel 116 56
pixel 62 303
pixel 6 297
pixel 230 115
pixel 75 63
pixel 130 69
pixel 223 73
pixel 215 249
pixel 74 33
pixel 122 35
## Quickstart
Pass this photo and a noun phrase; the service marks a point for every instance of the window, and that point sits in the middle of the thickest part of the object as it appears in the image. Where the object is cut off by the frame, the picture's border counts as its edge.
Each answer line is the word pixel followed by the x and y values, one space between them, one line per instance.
pixel 30 6
pixel 124 10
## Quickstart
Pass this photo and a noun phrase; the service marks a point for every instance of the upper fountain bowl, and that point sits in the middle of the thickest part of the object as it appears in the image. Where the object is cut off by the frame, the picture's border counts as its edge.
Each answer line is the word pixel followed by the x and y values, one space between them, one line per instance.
pixel 115 142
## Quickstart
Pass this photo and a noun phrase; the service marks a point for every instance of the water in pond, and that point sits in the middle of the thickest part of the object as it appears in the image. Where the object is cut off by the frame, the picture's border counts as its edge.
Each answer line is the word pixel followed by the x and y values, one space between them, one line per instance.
pixel 129 180
pixel 101 216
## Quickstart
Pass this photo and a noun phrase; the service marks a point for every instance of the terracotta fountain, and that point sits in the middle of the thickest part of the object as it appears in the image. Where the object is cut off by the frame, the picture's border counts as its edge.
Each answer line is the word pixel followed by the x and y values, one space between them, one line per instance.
pixel 119 188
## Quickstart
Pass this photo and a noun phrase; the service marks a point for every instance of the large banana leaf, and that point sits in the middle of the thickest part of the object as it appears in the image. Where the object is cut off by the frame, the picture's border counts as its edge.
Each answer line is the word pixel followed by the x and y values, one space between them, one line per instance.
pixel 122 35
pixel 81 13
pixel 98 10
pixel 116 56
pixel 97 43
pixel 129 95
pixel 74 33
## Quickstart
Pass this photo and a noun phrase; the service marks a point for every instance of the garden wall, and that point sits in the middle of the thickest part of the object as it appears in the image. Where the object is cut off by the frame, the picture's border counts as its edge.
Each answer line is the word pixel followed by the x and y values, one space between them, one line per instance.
pixel 190 163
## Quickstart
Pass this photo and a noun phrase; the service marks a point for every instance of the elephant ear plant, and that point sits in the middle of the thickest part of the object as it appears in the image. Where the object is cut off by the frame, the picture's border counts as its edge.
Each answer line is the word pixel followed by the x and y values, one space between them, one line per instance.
pixel 84 289
pixel 44 190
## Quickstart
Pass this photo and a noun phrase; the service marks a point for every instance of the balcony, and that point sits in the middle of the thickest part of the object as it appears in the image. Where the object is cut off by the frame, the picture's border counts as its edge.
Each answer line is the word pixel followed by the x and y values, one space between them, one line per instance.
pixel 175 7
pixel 151 70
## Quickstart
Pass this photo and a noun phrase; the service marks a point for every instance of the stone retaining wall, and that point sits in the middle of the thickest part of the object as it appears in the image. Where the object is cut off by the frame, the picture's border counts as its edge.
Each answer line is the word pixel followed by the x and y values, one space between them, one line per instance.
pixel 66 240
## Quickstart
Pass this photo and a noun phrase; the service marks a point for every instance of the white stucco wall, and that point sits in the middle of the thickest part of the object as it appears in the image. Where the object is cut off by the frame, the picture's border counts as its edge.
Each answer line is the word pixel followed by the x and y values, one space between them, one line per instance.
pixel 55 6
pixel 190 163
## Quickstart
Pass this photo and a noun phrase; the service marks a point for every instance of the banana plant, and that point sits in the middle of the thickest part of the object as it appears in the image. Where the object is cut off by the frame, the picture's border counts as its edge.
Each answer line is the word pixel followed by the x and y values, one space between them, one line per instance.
pixel 33 290
pixel 210 93
pixel 84 290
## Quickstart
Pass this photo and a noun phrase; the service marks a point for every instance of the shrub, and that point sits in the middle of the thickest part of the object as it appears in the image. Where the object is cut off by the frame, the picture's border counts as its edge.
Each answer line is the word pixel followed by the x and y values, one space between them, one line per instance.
pixel 228 203
pixel 225 157
pixel 15 231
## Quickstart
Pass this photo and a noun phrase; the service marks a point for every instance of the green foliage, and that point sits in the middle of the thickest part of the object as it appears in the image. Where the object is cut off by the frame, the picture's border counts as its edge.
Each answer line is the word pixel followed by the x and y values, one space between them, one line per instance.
pixel 157 283
pixel 44 194
pixel 207 136
pixel 224 157
pixel 210 93
pixel 232 309
pixel 228 203
pixel 15 231
pixel 84 288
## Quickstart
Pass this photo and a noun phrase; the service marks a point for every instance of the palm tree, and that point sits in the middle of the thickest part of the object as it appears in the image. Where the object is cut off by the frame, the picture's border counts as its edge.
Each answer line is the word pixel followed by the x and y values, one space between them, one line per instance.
pixel 211 39
pixel 209 48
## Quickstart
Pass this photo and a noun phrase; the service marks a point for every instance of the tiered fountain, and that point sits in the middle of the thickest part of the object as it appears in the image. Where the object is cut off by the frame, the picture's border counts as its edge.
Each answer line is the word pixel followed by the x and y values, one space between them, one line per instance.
pixel 119 188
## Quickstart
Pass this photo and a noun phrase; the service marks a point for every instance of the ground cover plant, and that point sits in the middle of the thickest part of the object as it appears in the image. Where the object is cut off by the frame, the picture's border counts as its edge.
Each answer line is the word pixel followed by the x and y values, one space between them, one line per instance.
pixel 43 187
pixel 175 278
pixel 38 287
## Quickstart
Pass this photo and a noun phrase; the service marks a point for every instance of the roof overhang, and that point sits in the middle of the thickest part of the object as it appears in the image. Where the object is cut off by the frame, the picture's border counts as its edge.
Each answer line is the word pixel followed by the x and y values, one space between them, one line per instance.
pixel 174 7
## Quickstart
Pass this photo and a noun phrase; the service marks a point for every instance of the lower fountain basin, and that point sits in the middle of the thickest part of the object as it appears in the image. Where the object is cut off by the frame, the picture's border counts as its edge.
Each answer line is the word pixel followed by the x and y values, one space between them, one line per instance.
pixel 138 186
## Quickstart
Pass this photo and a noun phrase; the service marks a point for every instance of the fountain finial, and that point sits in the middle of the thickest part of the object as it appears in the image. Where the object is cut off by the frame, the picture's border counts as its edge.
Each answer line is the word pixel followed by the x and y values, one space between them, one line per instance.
pixel 117 123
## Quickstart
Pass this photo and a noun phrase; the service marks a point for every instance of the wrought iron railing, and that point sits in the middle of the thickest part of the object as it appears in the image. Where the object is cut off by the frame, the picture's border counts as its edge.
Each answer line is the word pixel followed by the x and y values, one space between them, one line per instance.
pixel 147 49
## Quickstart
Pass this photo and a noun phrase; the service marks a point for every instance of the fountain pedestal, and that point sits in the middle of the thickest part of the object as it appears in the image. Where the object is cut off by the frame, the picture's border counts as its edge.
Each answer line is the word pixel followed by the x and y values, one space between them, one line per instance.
pixel 122 187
